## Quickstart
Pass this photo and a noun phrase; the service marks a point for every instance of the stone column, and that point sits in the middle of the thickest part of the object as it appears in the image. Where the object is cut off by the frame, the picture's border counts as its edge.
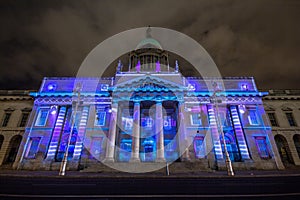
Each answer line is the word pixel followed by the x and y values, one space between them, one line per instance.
pixel 111 141
pixel 159 131
pixel 135 154
pixel 183 143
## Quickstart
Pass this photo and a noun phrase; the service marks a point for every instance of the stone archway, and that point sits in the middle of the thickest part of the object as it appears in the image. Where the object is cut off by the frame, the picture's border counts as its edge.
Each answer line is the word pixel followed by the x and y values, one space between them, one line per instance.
pixel 284 150
pixel 296 139
pixel 12 149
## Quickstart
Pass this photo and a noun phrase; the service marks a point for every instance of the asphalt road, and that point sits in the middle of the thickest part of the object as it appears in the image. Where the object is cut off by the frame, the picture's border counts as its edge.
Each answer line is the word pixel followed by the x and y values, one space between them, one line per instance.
pixel 278 187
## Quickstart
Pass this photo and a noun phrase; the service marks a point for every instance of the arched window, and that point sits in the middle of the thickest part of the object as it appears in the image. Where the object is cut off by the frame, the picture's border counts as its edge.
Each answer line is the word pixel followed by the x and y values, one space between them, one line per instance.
pixel 232 148
pixel 13 148
pixel 296 139
pixel 283 149
pixel 1 140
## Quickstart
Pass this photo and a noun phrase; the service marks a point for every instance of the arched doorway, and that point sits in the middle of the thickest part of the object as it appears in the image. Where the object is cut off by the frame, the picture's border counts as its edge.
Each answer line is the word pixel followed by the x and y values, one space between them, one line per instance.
pixel 12 149
pixel 296 139
pixel 284 150
pixel 231 146
pixel 1 140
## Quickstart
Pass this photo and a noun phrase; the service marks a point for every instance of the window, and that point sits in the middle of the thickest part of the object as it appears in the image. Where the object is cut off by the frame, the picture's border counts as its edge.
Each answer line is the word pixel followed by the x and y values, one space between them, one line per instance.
pixel 23 119
pixel 262 147
pixel 42 117
pixel 100 118
pixel 273 119
pixel 33 147
pixel 199 147
pixel 290 119
pixel 253 118
pixel 6 119
pixel 224 118
pixel 196 119
pixel 96 147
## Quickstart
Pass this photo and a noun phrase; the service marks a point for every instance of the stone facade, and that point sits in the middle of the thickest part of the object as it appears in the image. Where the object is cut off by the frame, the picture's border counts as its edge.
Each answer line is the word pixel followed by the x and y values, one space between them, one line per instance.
pixel 146 115
pixel 15 108
pixel 283 109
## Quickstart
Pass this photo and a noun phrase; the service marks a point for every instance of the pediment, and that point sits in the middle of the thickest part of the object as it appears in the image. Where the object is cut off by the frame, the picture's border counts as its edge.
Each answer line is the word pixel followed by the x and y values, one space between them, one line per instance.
pixel 148 83
pixel 269 107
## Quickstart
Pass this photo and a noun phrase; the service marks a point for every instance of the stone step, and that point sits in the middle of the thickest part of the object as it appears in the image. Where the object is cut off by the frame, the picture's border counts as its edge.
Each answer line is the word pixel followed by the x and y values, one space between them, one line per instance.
pixel 142 167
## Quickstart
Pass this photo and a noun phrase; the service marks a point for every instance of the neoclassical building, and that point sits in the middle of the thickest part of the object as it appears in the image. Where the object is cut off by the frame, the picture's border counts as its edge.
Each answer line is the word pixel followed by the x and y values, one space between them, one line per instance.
pixel 147 113
pixel 283 109
pixel 15 108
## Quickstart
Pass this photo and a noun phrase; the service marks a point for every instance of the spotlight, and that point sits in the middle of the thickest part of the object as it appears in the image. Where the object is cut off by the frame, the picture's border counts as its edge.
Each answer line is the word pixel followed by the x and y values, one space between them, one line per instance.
pixel 53 110
pixel 51 87
pixel 242 109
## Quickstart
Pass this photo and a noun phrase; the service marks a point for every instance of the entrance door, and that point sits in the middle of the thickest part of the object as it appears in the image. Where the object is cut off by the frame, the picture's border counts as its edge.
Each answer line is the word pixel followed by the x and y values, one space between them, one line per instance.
pixel 148 153
pixel 148 150
pixel 125 149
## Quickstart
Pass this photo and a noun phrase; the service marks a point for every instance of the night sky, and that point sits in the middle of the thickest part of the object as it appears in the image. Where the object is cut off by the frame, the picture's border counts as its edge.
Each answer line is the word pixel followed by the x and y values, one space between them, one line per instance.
pixel 244 37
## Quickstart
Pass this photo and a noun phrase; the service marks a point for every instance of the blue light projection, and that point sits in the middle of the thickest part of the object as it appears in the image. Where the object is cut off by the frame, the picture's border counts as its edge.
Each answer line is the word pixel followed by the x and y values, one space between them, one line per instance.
pixel 234 129
pixel 56 133
pixel 239 133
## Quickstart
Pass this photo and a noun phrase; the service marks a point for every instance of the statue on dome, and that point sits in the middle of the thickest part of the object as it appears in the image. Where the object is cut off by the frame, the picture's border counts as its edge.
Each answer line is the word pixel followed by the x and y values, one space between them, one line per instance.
pixel 176 66
pixel 119 67
pixel 138 66
pixel 157 66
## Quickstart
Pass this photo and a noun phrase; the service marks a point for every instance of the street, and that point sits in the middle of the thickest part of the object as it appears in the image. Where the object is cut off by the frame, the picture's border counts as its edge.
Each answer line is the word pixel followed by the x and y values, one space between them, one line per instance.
pixel 277 187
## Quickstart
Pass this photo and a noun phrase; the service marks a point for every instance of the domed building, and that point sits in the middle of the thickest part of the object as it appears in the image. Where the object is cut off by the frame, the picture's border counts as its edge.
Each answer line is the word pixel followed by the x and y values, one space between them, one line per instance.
pixel 145 115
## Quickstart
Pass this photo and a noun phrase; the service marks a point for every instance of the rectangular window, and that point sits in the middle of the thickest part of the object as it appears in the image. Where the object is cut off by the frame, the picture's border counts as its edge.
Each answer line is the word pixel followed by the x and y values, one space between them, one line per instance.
pixel 6 119
pixel 32 148
pixel 42 117
pixel 23 119
pixel 127 120
pixel 196 119
pixel 223 119
pixel 290 119
pixel 96 147
pixel 253 118
pixel 262 147
pixel 199 147
pixel 100 118
pixel 273 119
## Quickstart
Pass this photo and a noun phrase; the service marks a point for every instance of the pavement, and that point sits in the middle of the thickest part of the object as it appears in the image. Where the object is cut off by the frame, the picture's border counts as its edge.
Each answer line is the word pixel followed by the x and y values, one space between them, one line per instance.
pixel 195 174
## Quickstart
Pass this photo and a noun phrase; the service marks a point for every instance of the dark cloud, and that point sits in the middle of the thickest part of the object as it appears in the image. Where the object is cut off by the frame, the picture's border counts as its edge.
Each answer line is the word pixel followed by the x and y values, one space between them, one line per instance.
pixel 245 38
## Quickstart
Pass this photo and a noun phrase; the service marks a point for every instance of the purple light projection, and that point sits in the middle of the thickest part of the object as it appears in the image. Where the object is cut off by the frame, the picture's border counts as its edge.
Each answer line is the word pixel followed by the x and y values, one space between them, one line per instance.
pixel 157 66
pixel 138 66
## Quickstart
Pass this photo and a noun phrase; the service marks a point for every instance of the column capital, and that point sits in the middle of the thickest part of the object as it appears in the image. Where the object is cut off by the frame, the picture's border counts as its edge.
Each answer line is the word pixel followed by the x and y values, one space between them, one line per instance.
pixel 158 102
pixel 136 102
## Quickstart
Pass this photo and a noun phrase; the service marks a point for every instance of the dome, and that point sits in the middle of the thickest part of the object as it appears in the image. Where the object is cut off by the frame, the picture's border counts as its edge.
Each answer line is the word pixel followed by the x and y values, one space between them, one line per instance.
pixel 149 43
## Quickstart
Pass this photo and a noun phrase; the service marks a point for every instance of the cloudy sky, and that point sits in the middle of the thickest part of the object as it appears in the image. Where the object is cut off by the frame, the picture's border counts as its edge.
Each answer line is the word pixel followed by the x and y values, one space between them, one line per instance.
pixel 244 37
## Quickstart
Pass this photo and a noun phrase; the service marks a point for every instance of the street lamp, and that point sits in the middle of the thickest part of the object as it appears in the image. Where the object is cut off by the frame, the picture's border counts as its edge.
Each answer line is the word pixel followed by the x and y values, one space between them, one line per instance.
pixel 63 165
pixel 220 130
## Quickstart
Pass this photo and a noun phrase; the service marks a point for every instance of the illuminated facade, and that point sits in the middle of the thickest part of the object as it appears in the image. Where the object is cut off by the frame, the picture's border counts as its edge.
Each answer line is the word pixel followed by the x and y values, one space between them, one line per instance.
pixel 148 113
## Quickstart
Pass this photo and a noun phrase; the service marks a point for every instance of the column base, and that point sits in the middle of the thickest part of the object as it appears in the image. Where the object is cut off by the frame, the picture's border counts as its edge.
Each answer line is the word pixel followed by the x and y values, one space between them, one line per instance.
pixel 109 160
pixel 160 160
pixel 134 160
